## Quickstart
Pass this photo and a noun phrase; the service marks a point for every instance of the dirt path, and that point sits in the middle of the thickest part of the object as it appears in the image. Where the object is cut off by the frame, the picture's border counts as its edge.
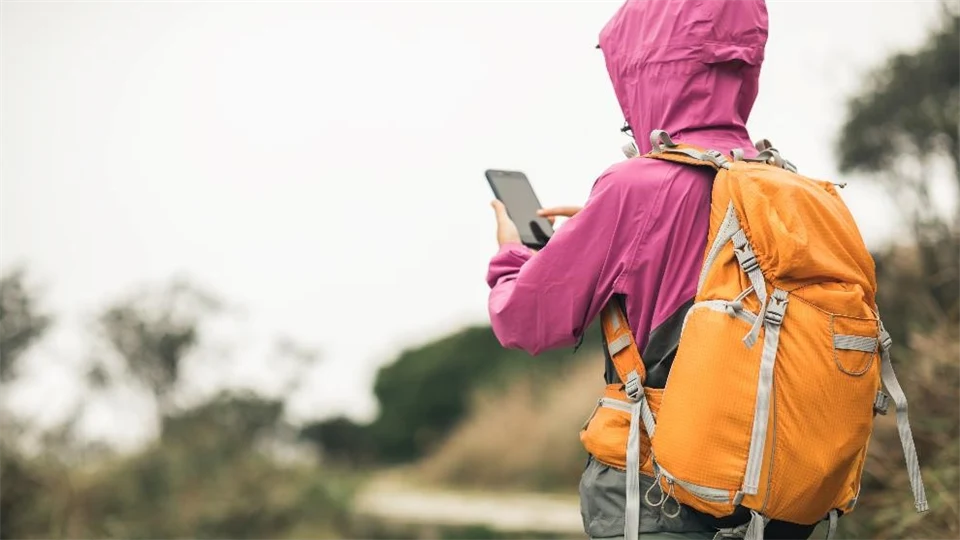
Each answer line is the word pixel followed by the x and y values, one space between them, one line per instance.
pixel 397 501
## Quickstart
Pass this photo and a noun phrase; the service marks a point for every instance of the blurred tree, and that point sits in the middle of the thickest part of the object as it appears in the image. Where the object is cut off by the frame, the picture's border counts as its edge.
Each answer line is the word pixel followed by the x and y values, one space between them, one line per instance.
pixel 903 123
pixel 237 419
pixel 341 441
pixel 909 107
pixel 21 324
pixel 293 359
pixel 426 391
pixel 23 501
pixel 902 130
pixel 153 332
pixel 24 507
pixel 209 476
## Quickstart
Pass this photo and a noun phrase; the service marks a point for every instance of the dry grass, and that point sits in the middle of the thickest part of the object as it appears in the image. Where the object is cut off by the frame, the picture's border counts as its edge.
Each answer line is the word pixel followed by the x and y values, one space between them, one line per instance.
pixel 524 436
pixel 930 373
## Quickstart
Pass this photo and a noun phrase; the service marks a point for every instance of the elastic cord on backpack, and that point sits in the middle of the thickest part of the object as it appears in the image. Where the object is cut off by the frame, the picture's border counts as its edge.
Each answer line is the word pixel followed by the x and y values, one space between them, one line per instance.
pixel 663 496
pixel 671 495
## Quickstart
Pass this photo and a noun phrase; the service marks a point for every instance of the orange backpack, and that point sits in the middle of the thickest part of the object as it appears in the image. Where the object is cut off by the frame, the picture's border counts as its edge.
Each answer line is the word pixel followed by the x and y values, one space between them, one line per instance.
pixel 770 399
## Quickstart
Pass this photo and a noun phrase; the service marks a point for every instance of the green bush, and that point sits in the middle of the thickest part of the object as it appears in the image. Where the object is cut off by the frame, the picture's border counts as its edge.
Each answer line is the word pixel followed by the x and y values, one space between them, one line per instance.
pixel 426 392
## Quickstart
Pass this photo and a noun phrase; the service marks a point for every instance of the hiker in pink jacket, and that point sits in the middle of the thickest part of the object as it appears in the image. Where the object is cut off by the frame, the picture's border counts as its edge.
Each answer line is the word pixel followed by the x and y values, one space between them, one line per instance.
pixel 691 69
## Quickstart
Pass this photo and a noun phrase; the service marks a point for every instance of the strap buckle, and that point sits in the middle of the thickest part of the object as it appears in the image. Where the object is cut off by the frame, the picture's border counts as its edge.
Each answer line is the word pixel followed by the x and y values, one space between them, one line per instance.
pixel 717 158
pixel 776 308
pixel 885 340
pixel 881 403
pixel 632 386
pixel 746 258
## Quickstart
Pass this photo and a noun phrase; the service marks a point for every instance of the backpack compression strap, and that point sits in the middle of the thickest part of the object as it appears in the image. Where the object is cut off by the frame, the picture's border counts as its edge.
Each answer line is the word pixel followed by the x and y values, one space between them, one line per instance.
pixel 625 356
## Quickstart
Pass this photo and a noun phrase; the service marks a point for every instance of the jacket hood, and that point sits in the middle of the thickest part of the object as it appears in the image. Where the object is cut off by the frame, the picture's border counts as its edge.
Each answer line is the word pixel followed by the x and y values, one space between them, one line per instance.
pixel 690 67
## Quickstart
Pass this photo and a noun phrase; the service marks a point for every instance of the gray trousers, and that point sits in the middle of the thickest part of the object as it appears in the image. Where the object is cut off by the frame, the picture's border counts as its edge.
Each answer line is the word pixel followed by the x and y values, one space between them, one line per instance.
pixel 603 498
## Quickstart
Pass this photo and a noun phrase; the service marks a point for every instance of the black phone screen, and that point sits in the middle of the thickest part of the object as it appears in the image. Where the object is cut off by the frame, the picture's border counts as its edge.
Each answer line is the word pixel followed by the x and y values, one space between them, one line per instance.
pixel 513 189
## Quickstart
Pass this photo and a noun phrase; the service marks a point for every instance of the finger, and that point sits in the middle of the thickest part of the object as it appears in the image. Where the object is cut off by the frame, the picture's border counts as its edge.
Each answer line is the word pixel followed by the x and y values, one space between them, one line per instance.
pixel 551 219
pixel 501 212
pixel 565 211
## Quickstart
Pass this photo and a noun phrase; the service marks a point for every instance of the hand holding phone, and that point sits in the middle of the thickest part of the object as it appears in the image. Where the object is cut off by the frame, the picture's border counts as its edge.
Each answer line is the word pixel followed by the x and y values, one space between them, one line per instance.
pixel 513 189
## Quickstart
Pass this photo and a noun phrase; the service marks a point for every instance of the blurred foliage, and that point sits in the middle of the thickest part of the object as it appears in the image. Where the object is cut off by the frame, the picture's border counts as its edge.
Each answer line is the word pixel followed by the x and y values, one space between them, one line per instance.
pixel 23 487
pixel 209 477
pixel 426 392
pixel 24 494
pixel 550 457
pixel 898 129
pixel 229 467
pixel 909 106
pixel 152 332
pixel 342 441
pixel 21 321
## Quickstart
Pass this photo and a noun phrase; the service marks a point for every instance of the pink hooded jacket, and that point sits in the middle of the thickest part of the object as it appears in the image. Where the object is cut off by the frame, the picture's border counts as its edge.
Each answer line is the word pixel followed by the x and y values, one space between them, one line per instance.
pixel 690 68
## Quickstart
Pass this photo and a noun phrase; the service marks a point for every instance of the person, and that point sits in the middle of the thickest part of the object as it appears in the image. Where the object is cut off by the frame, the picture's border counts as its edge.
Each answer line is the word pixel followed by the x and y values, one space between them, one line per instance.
pixel 690 68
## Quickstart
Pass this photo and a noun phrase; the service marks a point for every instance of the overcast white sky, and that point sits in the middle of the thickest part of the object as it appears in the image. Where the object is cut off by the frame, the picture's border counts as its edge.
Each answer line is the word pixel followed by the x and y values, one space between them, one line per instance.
pixel 320 164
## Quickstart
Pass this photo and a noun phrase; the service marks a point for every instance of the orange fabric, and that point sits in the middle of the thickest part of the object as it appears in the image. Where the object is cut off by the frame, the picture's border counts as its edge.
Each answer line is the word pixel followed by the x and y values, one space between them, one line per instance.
pixel 680 158
pixel 821 414
pixel 605 436
pixel 628 359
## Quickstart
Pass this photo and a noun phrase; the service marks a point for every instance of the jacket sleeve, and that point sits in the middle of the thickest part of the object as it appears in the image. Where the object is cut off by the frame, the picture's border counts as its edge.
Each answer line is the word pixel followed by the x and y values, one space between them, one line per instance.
pixel 546 300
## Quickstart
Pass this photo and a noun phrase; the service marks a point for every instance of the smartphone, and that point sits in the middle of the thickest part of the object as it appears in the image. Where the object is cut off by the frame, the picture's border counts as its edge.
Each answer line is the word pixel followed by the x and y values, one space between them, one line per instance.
pixel 513 189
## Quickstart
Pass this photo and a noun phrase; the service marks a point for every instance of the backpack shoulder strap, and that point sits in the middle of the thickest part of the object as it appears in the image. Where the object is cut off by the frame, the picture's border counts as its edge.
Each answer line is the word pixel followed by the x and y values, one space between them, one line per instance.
pixel 622 348
pixel 666 149
pixel 625 356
